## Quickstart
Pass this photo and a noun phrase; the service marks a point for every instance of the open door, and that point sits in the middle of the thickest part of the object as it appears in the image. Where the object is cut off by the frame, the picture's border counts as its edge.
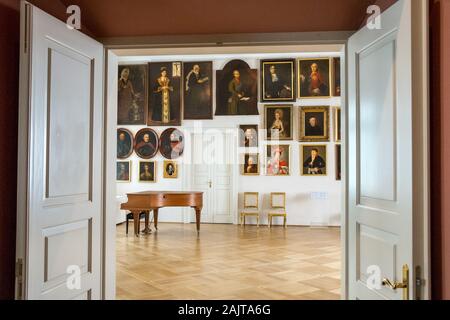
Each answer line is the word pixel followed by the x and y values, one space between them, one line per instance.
pixel 59 233
pixel 387 156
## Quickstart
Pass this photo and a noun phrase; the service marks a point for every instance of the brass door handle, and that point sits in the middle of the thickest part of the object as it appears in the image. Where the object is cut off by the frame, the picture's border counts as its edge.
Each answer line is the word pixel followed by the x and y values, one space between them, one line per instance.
pixel 399 285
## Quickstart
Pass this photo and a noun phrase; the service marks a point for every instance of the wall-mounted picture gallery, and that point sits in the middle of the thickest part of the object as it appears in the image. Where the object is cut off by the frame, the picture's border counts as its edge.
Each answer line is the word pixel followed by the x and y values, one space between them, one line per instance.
pixel 164 94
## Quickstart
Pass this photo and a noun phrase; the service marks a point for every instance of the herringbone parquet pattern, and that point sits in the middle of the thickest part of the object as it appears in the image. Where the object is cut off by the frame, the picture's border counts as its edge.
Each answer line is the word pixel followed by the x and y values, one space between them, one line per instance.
pixel 229 262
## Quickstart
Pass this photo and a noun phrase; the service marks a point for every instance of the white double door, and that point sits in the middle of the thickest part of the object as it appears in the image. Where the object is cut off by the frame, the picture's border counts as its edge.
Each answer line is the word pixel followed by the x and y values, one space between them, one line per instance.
pixel 213 173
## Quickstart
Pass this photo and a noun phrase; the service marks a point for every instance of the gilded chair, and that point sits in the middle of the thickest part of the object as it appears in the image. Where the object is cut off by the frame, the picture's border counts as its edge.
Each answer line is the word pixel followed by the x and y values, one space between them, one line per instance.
pixel 277 207
pixel 251 207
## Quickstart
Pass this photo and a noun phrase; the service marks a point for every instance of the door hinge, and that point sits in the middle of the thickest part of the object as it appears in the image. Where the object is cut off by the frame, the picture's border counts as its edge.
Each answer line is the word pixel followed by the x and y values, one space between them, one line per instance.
pixel 19 279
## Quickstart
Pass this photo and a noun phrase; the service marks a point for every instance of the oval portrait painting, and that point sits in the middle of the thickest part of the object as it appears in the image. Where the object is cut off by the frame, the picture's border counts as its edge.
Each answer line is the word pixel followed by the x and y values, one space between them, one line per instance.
pixel 124 143
pixel 146 143
pixel 172 144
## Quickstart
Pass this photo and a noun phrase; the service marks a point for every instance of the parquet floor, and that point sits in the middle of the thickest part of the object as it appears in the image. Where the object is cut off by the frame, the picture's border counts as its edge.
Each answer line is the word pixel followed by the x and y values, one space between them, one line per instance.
pixel 229 262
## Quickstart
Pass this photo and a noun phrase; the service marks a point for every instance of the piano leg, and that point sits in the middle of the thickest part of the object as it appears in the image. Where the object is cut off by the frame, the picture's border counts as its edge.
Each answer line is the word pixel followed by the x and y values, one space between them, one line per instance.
pixel 198 212
pixel 147 229
pixel 155 218
pixel 136 220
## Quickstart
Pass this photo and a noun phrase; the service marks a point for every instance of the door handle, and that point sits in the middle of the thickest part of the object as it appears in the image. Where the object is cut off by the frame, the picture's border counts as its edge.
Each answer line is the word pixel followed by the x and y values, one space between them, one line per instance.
pixel 210 184
pixel 399 285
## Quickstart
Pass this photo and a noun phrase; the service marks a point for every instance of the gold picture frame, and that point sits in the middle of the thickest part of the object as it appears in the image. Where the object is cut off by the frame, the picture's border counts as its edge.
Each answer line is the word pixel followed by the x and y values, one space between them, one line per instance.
pixel 270 112
pixel 317 130
pixel 274 170
pixel 251 172
pixel 266 66
pixel 170 173
pixel 305 152
pixel 302 83
pixel 337 124
pixel 143 176
pixel 125 179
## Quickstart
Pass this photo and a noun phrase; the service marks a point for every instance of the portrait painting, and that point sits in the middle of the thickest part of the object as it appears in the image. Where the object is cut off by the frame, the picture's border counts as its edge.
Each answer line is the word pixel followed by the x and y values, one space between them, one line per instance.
pixel 337 124
pixel 172 144
pixel 147 171
pixel 164 108
pixel 236 90
pixel 314 78
pixel 123 171
pixel 132 95
pixel 336 76
pixel 338 162
pixel 248 136
pixel 197 88
pixel 125 143
pixel 146 143
pixel 314 124
pixel 250 167
pixel 278 80
pixel 170 169
pixel 314 160
pixel 279 122
pixel 278 160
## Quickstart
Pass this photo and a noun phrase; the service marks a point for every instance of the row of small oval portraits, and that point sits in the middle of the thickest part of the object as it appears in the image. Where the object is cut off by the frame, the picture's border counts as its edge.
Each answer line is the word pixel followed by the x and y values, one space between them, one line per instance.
pixel 146 143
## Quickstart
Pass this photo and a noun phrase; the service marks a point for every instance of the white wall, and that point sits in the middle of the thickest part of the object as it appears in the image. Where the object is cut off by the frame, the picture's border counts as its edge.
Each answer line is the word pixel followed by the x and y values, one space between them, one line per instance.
pixel 303 208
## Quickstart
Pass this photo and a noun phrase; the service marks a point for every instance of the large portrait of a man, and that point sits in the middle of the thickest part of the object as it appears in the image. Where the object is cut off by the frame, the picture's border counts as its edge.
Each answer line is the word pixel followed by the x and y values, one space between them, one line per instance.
pixel 278 80
pixel 164 107
pixel 314 160
pixel 198 80
pixel 146 143
pixel 236 90
pixel 132 95
pixel 314 78
pixel 314 124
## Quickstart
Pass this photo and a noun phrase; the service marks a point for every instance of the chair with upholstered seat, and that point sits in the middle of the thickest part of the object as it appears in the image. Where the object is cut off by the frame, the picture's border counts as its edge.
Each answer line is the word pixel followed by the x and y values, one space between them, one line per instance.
pixel 277 207
pixel 251 207
pixel 131 217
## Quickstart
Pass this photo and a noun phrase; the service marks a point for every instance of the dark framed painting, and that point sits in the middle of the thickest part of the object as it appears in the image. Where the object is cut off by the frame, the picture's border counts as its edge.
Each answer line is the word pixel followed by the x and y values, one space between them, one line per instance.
pixel 147 171
pixel 314 124
pixel 278 80
pixel 146 143
pixel 279 122
pixel 132 95
pixel 314 160
pixel 248 136
pixel 337 124
pixel 125 143
pixel 197 88
pixel 170 169
pixel 338 162
pixel 164 108
pixel 172 144
pixel 336 76
pixel 250 167
pixel 278 158
pixel 123 171
pixel 236 90
pixel 314 78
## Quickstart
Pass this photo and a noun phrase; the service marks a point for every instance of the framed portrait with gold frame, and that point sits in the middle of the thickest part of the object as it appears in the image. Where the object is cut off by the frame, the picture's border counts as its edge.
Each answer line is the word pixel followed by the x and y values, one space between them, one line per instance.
pixel 313 160
pixel 338 156
pixel 250 165
pixel 147 171
pixel 278 160
pixel 314 124
pixel 170 169
pixel 337 124
pixel 123 171
pixel 279 122
pixel 314 78
pixel 278 80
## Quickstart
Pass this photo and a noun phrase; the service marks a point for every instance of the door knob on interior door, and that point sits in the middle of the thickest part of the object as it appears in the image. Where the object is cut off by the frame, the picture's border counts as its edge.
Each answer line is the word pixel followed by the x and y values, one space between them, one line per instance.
pixel 399 285
pixel 210 184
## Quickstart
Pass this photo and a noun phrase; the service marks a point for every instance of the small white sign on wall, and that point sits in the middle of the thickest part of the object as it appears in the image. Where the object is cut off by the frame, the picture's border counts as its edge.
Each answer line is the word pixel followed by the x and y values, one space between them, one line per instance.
pixel 319 196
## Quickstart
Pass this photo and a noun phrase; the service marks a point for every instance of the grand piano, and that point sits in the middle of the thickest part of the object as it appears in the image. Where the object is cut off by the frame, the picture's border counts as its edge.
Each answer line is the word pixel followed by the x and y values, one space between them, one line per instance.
pixel 147 201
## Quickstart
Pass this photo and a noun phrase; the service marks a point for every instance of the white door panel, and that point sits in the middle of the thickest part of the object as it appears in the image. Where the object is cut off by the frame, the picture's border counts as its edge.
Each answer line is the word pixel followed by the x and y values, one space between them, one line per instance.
pixel 380 154
pixel 63 177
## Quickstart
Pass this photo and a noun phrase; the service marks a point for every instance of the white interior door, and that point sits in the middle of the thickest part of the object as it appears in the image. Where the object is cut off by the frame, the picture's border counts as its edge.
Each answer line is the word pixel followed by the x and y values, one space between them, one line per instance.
pixel 60 161
pixel 213 174
pixel 382 160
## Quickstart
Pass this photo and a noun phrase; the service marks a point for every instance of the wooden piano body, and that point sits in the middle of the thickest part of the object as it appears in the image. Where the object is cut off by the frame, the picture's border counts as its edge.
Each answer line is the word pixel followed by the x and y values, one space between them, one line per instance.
pixel 147 201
